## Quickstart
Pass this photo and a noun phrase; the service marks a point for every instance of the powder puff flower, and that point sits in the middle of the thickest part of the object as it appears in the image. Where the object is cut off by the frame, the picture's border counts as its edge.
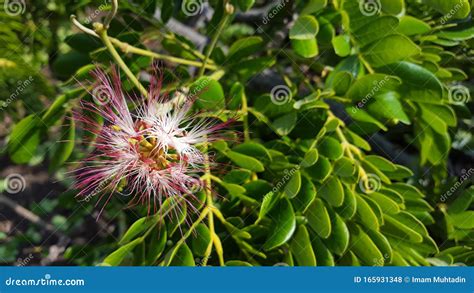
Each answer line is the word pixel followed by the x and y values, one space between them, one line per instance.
pixel 150 152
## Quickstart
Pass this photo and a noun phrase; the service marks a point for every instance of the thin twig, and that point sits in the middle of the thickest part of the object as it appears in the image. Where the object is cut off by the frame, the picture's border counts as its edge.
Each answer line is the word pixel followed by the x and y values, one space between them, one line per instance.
pixel 29 215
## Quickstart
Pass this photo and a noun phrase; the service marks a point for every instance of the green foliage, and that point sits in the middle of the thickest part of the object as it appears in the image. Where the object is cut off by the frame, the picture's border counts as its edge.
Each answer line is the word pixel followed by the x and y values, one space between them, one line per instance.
pixel 301 185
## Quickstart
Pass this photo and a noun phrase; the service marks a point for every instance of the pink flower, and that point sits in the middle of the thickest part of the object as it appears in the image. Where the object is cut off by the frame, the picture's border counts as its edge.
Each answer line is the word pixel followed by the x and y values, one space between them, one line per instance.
pixel 151 153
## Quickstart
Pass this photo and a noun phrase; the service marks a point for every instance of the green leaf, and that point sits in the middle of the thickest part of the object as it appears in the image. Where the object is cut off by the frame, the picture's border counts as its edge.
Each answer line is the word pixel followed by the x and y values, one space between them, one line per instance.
pixel 389 50
pixel 284 225
pixel 387 205
pixel 200 240
pixel 365 215
pixel 349 259
pixel 268 202
pixel 419 84
pixel 243 48
pixel 330 148
pixel 303 36
pixel 245 161
pixel 332 192
pixel 136 228
pixel 349 206
pixel 310 158
pixel 293 186
pixel 167 9
pixel 238 191
pixel 245 5
pixel 362 115
pixel 457 35
pixel 313 6
pixel 460 8
pixel 237 176
pixel 116 257
pixel 24 139
pixel 396 229
pixel 410 26
pixel 65 65
pixel 342 82
pixel 318 218
pixel 249 67
pixel 370 85
pixel 305 196
pixel 341 45
pixel 208 93
pixel 363 247
pixel 258 188
pixel 345 167
pixel 381 163
pixel 392 6
pixel 376 29
pixel 338 241
pixel 253 149
pixel 157 245
pixel 283 125
pixel 83 42
pixel 321 170
pixel 388 105
pixel 324 257
pixel 462 201
pixel 357 16
pixel 357 140
pixel 183 257
pixel 237 263
pixel 177 216
pixel 435 121
pixel 65 144
pixel 463 220
pixel 382 244
pixel 300 247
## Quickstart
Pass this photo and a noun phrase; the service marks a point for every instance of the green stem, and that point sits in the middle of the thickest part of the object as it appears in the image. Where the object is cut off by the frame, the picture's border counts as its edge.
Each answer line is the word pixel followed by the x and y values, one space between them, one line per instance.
pixel 186 47
pixel 215 241
pixel 180 242
pixel 102 32
pixel 127 48
pixel 348 150
pixel 245 111
pixel 215 38
pixel 366 64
